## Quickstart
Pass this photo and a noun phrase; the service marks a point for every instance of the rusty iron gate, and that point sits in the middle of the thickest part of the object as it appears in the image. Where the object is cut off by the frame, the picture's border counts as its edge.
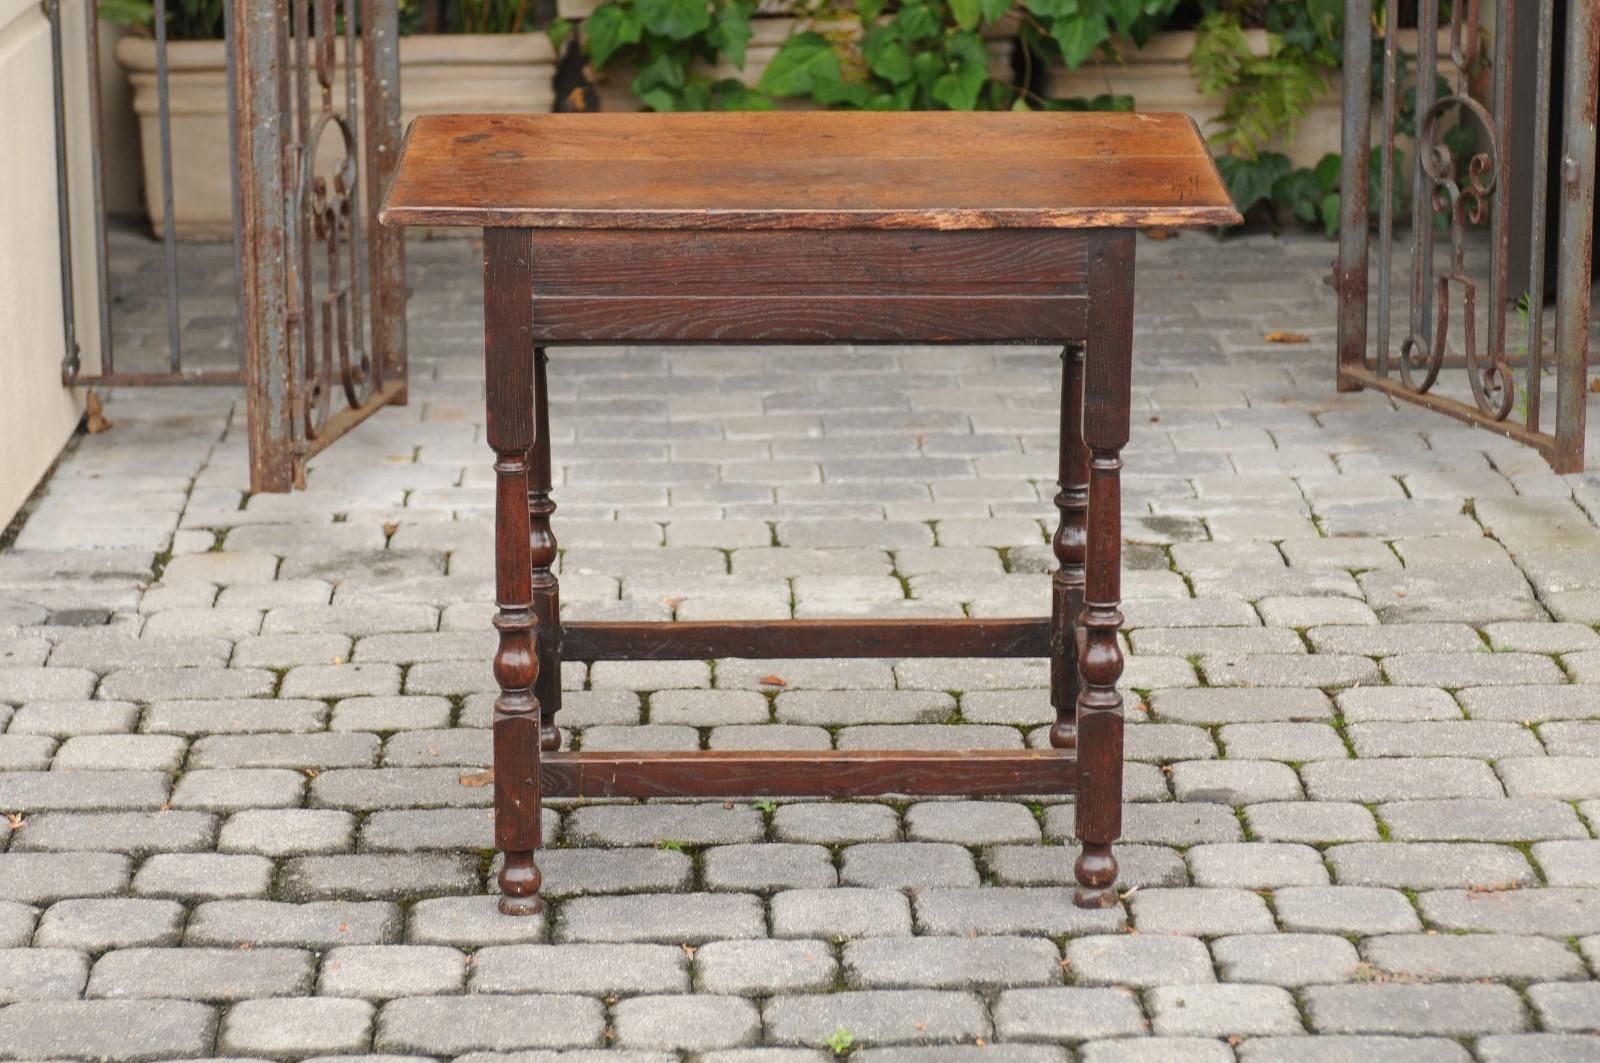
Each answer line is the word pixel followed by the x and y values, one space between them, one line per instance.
pixel 1470 339
pixel 314 128
pixel 321 284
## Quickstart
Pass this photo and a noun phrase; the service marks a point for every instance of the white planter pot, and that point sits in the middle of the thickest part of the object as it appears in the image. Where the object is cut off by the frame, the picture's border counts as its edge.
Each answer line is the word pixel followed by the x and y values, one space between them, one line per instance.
pixel 455 73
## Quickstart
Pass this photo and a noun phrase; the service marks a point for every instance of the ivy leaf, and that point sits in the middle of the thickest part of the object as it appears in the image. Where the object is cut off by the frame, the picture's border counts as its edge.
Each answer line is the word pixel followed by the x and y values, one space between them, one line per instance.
pixel 966 13
pixel 1125 13
pixel 658 100
pixel 127 12
pixel 804 62
pixel 1329 207
pixel 1052 9
pixel 734 95
pixel 927 65
pixel 1250 181
pixel 958 88
pixel 674 19
pixel 1327 171
pixel 994 10
pixel 886 55
pixel 869 10
pixel 661 84
pixel 916 21
pixel 1079 37
pixel 846 93
pixel 696 96
pixel 607 29
pixel 730 34
pixel 559 31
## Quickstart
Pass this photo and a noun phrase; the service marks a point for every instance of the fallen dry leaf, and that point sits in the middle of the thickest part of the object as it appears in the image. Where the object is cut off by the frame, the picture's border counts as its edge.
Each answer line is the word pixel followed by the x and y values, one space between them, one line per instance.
pixel 15 820
pixel 772 681
pixel 1594 385
pixel 478 778
pixel 390 528
pixel 94 416
pixel 1286 337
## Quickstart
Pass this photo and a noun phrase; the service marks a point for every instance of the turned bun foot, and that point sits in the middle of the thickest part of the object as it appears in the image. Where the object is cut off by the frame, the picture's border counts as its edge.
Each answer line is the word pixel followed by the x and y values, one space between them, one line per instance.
pixel 549 737
pixel 1097 878
pixel 519 887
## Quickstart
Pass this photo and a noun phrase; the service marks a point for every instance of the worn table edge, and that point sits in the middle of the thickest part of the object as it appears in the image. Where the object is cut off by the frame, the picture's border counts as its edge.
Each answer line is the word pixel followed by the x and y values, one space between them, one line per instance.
pixel 948 219
pixel 791 218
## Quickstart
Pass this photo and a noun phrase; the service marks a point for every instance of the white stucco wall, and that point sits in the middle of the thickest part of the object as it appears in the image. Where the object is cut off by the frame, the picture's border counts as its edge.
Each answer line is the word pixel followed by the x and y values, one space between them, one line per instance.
pixel 37 415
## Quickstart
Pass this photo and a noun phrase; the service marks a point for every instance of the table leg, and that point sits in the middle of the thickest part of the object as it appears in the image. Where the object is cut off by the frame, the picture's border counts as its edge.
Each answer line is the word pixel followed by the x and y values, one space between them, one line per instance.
pixel 508 332
pixel 1072 503
pixel 542 544
pixel 1107 392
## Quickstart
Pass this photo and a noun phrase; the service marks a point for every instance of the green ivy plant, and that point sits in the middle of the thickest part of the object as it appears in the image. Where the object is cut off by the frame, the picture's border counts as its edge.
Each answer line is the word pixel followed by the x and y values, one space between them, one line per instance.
pixel 203 20
pixel 1309 193
pixel 672 44
pixel 187 20
pixel 1265 98
pixel 915 55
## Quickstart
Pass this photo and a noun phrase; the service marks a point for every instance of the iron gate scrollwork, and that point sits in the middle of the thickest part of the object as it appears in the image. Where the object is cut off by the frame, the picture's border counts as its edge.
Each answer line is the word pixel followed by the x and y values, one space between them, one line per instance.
pixel 1461 153
pixel 321 284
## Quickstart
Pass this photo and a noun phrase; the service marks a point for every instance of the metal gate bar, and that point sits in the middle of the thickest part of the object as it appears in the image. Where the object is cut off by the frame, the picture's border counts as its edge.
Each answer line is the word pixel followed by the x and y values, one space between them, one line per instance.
pixel 1467 191
pixel 309 245
pixel 321 287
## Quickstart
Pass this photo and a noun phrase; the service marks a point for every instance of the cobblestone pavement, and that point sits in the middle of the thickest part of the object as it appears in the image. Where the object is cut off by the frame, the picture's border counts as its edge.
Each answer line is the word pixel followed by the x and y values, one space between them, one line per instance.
pixel 1364 775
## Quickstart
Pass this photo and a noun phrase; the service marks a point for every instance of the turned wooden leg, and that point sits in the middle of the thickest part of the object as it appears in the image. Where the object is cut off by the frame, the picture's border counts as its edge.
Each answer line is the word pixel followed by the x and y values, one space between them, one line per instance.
pixel 508 332
pixel 542 547
pixel 1107 386
pixel 1072 503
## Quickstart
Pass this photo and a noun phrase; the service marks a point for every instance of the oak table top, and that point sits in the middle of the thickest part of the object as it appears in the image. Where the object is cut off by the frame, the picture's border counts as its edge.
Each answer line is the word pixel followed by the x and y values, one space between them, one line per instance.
pixel 808 170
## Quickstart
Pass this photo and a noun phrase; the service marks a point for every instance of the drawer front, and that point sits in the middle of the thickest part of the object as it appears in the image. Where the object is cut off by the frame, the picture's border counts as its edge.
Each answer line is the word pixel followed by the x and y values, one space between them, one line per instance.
pixel 809 286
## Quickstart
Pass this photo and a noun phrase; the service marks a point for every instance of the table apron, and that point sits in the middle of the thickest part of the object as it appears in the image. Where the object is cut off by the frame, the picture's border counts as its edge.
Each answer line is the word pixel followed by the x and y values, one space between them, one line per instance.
pixel 809 319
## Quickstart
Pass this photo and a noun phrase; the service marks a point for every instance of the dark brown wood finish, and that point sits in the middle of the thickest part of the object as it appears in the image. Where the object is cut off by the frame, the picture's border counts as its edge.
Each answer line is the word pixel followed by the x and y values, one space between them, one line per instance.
pixel 796 227
pixel 799 170
pixel 1070 546
pixel 638 263
pixel 1108 371
pixel 698 640
pixel 809 319
pixel 508 344
pixel 545 588
pixel 809 773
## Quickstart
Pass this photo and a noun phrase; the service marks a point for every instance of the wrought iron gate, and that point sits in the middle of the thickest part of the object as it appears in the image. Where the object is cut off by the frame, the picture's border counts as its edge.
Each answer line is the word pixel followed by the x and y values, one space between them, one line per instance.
pixel 321 284
pixel 314 127
pixel 1458 175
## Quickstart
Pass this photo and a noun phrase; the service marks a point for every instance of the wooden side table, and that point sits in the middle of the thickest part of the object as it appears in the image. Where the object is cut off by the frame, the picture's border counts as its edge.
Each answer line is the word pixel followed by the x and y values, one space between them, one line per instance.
pixel 809 228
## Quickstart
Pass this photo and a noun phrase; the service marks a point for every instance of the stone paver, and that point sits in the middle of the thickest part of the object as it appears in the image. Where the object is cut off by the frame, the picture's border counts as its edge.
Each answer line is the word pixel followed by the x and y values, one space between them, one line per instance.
pixel 1364 723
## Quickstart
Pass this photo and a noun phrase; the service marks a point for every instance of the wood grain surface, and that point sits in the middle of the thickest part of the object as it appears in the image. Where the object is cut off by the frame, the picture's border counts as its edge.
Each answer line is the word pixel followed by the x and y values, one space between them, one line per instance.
pixel 809 319
pixel 808 170
pixel 698 640
pixel 809 773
